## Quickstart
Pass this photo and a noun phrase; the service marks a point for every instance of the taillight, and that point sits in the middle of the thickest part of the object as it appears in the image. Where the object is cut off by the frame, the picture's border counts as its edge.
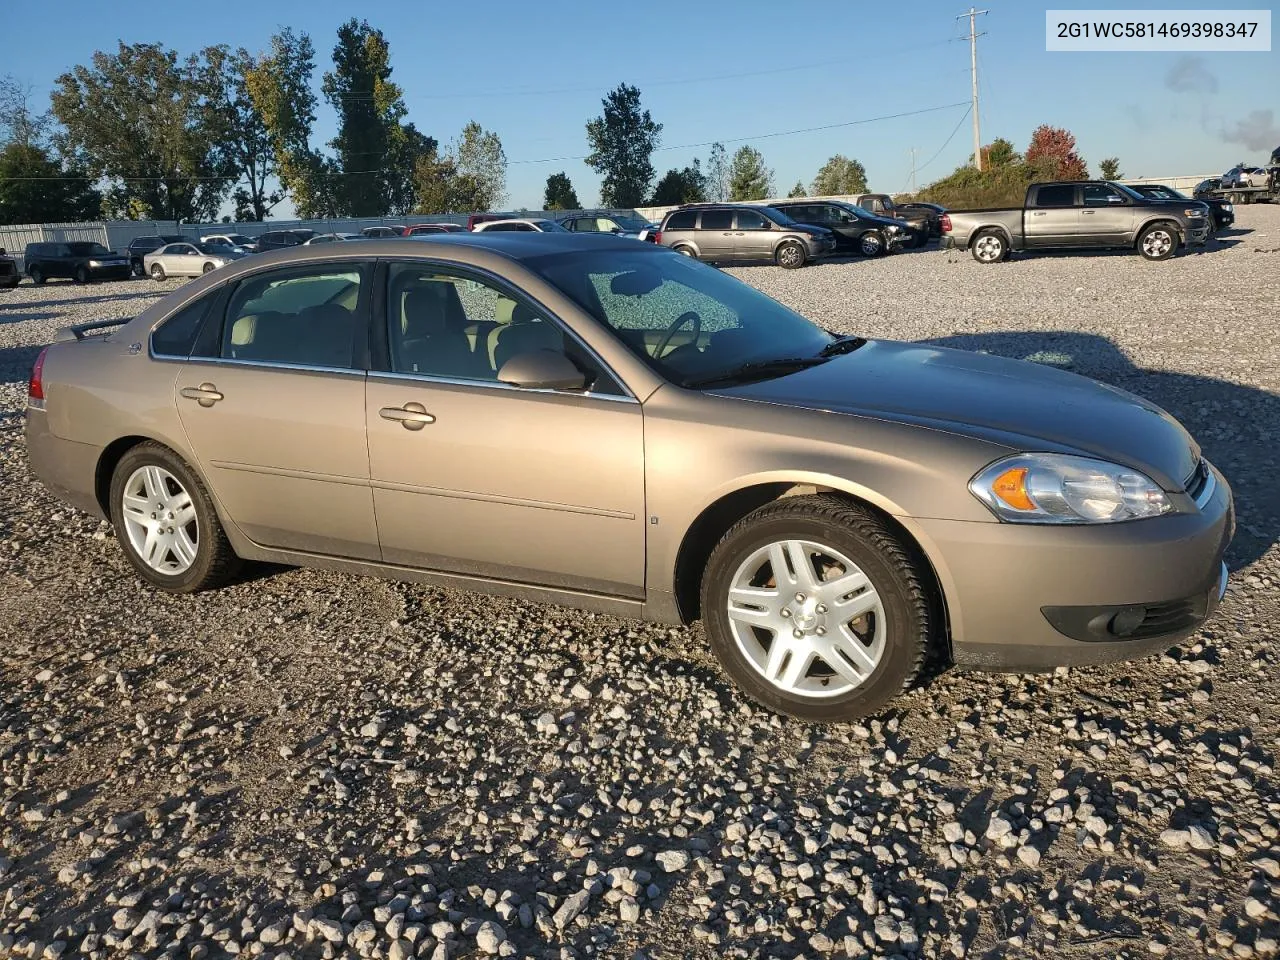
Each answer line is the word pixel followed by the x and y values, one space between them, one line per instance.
pixel 35 386
pixel 946 223
pixel 657 236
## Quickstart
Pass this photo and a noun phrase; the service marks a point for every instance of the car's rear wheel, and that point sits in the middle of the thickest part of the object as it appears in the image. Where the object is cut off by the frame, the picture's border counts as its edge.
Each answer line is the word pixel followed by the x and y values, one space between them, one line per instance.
pixel 989 247
pixel 82 274
pixel 1158 242
pixel 871 244
pixel 816 609
pixel 208 267
pixel 37 275
pixel 789 255
pixel 684 251
pixel 157 272
pixel 165 521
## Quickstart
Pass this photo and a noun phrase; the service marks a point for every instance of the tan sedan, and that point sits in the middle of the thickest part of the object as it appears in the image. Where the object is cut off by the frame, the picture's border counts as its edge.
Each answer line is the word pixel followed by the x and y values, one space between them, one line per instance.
pixel 613 426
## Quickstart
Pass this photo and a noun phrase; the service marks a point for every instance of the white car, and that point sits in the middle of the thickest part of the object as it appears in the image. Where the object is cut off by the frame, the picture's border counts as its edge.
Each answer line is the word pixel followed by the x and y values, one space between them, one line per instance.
pixel 333 238
pixel 237 241
pixel 516 224
pixel 186 260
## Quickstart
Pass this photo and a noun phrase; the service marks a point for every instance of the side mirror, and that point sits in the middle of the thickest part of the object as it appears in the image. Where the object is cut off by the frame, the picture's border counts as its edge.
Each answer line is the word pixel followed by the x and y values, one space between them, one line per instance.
pixel 542 370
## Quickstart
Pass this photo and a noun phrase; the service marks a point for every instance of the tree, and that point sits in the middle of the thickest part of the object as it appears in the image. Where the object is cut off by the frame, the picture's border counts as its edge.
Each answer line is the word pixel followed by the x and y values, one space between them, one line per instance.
pixel 717 174
pixel 1109 168
pixel 998 153
pixel 622 142
pixel 376 154
pixel 1052 155
pixel 840 175
pixel 36 189
pixel 239 135
pixel 798 190
pixel 440 187
pixel 681 186
pixel 136 117
pixel 17 123
pixel 560 194
pixel 479 155
pixel 749 178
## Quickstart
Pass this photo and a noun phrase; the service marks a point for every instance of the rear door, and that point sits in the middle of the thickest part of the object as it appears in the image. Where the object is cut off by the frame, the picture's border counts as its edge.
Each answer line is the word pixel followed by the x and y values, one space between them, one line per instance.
pixel 1053 219
pixel 716 240
pixel 273 406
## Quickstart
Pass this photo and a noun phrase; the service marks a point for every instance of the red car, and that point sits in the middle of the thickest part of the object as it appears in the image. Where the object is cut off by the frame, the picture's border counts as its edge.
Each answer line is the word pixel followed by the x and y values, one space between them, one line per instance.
pixel 421 228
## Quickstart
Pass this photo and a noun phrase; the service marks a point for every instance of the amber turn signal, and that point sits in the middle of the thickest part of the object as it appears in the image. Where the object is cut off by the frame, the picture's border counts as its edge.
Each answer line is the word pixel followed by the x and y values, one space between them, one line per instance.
pixel 1011 487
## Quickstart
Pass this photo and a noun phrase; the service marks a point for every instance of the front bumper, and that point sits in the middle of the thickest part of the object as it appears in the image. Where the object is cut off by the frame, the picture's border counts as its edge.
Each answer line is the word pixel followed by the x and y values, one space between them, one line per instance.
pixel 1023 597
pixel 1198 232
pixel 820 247
pixel 112 271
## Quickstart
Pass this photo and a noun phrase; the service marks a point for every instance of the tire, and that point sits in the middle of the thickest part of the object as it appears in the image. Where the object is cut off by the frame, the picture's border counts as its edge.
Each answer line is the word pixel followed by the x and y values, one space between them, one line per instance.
pixel 871 244
pixel 207 268
pixel 82 274
pixel 898 625
pixel 1158 242
pixel 37 276
pixel 150 469
pixel 685 251
pixel 790 255
pixel 138 269
pixel 989 246
pixel 157 272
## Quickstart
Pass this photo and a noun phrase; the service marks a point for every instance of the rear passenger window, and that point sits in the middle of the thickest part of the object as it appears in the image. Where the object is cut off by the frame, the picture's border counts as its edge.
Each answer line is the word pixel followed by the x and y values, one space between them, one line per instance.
pixel 682 220
pixel 176 336
pixel 1062 195
pixel 308 317
pixel 717 219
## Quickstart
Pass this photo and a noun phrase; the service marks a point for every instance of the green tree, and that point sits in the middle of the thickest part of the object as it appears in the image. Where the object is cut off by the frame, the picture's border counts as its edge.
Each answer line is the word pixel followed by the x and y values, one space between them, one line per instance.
pixel 34 188
pixel 749 178
pixel 717 174
pixel 622 141
pixel 798 190
pixel 17 123
pixel 840 175
pixel 440 187
pixel 998 153
pixel 375 153
pixel 136 117
pixel 681 186
pixel 279 83
pixel 1109 168
pixel 479 155
pixel 560 194
pixel 239 135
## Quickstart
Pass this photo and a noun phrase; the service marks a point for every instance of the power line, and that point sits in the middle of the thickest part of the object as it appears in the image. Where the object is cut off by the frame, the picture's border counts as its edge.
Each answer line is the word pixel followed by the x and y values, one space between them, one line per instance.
pixel 946 142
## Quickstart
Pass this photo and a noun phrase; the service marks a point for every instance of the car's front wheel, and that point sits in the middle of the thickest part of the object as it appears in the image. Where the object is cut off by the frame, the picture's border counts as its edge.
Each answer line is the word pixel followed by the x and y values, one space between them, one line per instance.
pixel 166 523
pixel 816 609
pixel 1158 242
pixel 871 244
pixel 82 274
pixel 36 275
pixel 790 255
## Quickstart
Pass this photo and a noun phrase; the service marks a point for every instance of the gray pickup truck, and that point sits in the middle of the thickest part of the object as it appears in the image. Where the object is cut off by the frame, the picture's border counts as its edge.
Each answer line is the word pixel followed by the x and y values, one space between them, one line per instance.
pixel 1085 214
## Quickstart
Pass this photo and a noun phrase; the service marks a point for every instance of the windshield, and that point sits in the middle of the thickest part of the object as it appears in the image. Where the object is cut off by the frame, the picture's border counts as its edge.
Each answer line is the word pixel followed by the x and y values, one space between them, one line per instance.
pixel 239 239
pixel 1129 192
pixel 549 226
pixel 631 223
pixel 777 216
pixel 687 320
pixel 87 249
pixel 1165 193
pixel 213 249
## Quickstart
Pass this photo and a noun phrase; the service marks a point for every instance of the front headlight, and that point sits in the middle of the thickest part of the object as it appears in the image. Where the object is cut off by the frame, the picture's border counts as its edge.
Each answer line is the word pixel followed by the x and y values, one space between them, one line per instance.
pixel 1229 207
pixel 1193 212
pixel 1056 488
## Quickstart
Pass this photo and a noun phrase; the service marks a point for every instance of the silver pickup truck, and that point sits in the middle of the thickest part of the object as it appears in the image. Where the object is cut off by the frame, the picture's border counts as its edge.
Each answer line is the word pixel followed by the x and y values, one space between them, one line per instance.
pixel 1085 214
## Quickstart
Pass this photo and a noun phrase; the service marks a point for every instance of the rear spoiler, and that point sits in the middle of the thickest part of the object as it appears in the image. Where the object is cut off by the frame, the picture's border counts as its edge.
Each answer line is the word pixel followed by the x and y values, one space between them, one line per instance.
pixel 80 330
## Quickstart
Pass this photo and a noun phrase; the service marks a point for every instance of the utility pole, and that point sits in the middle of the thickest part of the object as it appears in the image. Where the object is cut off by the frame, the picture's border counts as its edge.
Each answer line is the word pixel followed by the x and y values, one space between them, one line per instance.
pixel 913 170
pixel 973 14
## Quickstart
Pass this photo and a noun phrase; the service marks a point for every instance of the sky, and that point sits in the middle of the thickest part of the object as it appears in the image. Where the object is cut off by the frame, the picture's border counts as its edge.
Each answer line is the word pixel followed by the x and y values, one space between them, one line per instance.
pixel 740 72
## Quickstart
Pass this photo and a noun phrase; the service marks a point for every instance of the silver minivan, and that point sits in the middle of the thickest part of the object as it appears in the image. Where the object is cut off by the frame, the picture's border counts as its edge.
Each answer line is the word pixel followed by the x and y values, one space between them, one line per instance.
pixel 727 232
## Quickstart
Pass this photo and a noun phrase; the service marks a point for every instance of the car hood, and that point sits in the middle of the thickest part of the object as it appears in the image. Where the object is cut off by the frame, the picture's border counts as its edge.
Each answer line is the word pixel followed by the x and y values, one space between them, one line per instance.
pixel 1024 406
pixel 812 229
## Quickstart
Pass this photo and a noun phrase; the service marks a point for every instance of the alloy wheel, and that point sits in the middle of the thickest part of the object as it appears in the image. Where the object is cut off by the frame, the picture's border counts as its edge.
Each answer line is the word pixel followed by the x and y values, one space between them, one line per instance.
pixel 1157 243
pixel 160 520
pixel 989 248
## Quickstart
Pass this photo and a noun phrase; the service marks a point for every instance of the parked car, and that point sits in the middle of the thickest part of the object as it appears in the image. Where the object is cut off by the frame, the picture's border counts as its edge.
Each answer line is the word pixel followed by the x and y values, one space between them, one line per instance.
pixel 478 218
pixel 428 228
pixel 1087 214
pixel 1245 177
pixel 1205 188
pixel 1223 211
pixel 279 239
pixel 834 509
pixel 187 260
pixel 236 240
pixel 9 275
pixel 81 261
pixel 724 232
pixel 139 247
pixel 382 232
pixel 334 238
pixel 856 230
pixel 617 224
pixel 920 223
pixel 522 225
pixel 932 212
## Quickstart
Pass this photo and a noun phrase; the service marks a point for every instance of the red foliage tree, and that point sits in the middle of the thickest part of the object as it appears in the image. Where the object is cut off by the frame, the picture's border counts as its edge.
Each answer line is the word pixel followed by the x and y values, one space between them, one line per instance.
pixel 1052 154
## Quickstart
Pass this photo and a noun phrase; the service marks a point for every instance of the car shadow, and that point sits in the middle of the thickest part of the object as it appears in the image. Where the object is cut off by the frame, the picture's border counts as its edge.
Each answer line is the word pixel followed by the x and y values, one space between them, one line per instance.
pixel 1235 425
pixel 154 290
pixel 16 362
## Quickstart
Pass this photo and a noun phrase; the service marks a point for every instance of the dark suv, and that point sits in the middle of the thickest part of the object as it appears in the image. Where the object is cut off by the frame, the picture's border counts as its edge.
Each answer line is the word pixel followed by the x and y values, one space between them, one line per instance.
pixel 727 231
pixel 139 247
pixel 81 261
pixel 8 271
pixel 279 239
pixel 856 230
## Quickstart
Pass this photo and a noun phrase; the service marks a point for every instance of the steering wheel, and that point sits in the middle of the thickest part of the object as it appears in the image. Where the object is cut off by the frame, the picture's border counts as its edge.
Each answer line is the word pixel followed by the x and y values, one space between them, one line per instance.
pixel 671 331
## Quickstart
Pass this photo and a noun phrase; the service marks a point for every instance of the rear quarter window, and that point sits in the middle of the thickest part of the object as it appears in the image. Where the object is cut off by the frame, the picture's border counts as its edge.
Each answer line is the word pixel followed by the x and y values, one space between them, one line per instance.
pixel 176 336
pixel 683 220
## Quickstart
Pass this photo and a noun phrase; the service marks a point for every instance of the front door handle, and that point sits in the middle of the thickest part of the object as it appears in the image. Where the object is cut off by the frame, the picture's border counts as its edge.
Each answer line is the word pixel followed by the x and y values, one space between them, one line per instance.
pixel 1038 213
pixel 412 416
pixel 206 394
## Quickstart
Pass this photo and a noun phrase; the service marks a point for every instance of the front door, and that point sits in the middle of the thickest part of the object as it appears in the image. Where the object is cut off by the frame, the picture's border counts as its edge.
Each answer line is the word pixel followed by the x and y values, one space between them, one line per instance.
pixel 1106 217
pixel 753 239
pixel 275 413
pixel 474 476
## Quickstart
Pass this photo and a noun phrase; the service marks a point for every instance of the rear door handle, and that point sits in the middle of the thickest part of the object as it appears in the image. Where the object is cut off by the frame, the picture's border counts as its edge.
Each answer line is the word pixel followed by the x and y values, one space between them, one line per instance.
pixel 206 394
pixel 1037 213
pixel 1089 212
pixel 412 416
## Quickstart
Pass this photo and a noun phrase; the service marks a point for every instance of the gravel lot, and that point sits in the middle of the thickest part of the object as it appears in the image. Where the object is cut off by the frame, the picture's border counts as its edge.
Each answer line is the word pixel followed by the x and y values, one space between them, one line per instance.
pixel 309 764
